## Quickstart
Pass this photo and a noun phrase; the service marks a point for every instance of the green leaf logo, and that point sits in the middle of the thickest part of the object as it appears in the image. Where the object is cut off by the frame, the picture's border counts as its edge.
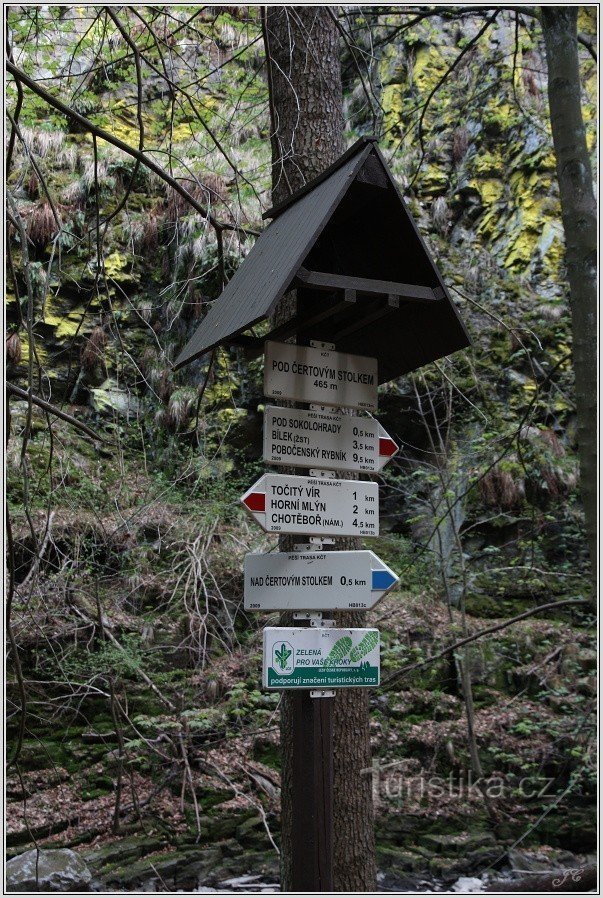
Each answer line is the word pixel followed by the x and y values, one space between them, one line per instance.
pixel 282 655
pixel 338 652
pixel 366 645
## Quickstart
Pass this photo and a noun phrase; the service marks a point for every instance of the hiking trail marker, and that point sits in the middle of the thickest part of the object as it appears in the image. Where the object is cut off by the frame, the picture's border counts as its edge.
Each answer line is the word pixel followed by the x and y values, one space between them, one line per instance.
pixel 284 503
pixel 304 438
pixel 350 296
pixel 316 581
pixel 320 658
pixel 310 374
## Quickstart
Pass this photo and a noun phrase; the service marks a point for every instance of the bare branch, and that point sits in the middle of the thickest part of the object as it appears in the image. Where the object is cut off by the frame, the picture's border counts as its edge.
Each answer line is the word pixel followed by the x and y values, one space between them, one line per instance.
pixel 49 407
pixel 550 606
pixel 121 145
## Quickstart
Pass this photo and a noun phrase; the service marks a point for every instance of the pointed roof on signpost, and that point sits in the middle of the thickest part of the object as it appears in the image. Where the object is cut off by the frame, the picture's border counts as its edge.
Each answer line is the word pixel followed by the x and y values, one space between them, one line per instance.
pixel 364 276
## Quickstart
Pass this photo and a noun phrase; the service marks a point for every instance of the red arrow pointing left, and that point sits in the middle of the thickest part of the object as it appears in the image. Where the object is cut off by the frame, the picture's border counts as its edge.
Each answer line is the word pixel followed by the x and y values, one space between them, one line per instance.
pixel 255 501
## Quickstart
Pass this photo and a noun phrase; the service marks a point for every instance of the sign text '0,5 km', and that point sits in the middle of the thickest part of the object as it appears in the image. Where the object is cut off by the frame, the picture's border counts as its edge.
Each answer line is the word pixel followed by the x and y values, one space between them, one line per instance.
pixel 282 581
pixel 306 374
pixel 282 503
pixel 308 439
pixel 320 658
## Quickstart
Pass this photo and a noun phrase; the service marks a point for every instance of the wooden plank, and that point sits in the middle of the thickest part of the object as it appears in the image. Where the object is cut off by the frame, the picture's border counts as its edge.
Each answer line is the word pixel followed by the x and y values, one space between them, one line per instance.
pixel 312 793
pixel 362 322
pixel 255 347
pixel 323 280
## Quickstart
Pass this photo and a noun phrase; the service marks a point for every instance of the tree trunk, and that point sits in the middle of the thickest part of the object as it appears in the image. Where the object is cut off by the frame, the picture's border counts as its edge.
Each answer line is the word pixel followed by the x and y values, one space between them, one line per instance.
pixel 578 209
pixel 306 99
pixel 306 106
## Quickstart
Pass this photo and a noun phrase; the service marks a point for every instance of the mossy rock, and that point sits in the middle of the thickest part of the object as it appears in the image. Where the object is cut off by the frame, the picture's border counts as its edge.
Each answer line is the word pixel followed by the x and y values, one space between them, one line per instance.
pixel 120 850
pixel 456 844
pixel 210 798
pixel 396 860
pixel 163 864
pixel 574 828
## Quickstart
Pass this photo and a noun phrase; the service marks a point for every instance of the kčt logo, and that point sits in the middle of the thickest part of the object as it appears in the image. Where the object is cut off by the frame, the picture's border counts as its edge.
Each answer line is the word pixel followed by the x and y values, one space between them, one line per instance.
pixel 282 657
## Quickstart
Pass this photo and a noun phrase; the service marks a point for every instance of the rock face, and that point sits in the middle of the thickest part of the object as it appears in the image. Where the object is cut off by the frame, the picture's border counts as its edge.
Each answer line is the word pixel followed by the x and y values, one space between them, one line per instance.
pixel 59 870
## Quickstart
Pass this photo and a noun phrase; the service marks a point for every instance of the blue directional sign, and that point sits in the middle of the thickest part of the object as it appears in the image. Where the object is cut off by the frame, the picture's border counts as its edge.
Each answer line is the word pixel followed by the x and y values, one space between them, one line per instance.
pixel 316 581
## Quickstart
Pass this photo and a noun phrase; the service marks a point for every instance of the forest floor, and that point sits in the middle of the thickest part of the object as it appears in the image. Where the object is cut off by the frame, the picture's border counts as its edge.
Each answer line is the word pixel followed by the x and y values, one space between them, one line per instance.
pixel 150 748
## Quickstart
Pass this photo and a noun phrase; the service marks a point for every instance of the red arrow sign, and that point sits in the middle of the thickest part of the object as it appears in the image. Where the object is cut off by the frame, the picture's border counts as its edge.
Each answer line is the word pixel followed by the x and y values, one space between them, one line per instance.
pixel 255 501
pixel 286 503
pixel 387 447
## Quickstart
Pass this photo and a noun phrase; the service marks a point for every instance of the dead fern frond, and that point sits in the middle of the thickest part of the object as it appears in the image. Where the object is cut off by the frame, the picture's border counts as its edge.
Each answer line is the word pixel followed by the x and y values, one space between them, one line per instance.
pixel 41 225
pixel 149 235
pixel 460 144
pixel 13 349
pixel 175 205
pixel 499 489
pixel 75 194
pixel 93 353
pixel 213 189
pixel 147 359
pixel 180 406
pixel 33 186
pixel 550 437
pixel 440 215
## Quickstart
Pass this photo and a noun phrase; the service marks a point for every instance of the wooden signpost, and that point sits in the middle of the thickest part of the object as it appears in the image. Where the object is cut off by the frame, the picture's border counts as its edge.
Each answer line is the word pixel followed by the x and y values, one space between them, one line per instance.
pixel 317 659
pixel 362 331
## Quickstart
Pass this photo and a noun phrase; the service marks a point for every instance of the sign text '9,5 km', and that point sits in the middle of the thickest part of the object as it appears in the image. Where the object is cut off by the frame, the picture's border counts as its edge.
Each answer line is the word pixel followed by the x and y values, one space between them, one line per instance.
pixel 304 438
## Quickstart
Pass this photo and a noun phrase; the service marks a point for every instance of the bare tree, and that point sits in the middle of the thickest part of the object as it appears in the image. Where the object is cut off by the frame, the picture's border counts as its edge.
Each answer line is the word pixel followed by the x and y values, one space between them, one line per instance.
pixel 578 208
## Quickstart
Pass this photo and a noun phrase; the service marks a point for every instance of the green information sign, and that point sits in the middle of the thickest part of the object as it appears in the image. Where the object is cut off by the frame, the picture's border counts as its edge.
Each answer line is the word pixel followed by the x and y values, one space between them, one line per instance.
pixel 320 658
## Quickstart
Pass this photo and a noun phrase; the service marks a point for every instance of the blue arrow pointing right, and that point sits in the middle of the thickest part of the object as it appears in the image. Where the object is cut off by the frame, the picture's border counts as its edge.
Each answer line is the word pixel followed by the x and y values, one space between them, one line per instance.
pixel 382 580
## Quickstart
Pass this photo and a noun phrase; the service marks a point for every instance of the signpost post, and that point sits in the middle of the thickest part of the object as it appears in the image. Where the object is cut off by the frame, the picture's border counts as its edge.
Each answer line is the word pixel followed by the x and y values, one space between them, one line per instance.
pixel 316 659
pixel 402 325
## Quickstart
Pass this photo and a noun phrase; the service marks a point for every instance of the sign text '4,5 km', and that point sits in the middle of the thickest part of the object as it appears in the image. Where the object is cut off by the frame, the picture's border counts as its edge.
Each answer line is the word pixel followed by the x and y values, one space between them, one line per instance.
pixel 282 503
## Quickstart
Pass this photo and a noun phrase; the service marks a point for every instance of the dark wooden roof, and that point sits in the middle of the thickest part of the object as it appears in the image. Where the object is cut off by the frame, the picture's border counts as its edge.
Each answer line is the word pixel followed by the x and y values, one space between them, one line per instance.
pixel 275 211
pixel 365 279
